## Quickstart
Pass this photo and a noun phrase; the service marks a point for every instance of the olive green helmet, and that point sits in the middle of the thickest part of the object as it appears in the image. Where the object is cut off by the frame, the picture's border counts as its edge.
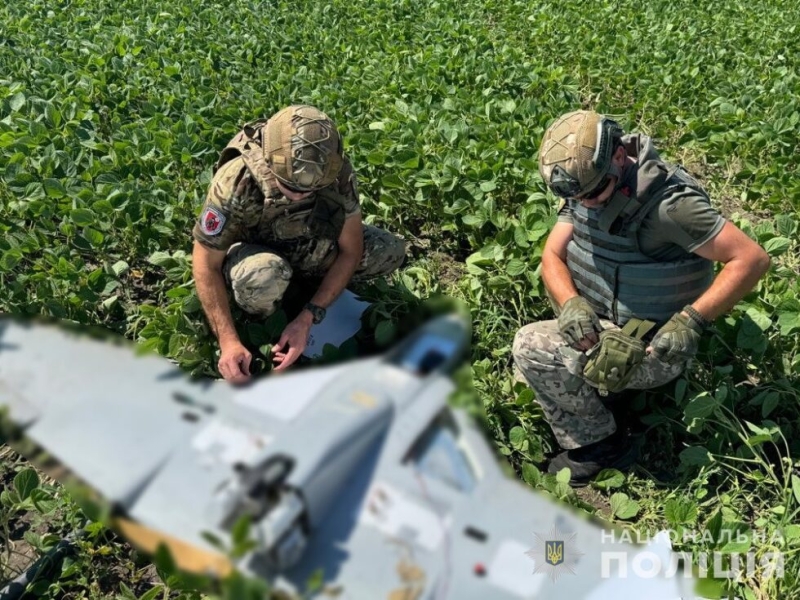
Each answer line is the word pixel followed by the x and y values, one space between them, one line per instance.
pixel 303 148
pixel 576 152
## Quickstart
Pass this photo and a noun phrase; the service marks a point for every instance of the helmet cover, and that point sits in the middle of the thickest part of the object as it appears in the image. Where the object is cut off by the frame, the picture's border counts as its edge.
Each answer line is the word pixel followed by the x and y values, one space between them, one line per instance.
pixel 576 152
pixel 303 148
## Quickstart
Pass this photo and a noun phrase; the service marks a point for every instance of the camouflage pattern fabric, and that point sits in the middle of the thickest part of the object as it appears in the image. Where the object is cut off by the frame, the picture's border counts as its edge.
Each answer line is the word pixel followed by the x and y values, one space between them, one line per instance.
pixel 258 276
pixel 302 147
pixel 571 405
pixel 237 209
pixel 383 254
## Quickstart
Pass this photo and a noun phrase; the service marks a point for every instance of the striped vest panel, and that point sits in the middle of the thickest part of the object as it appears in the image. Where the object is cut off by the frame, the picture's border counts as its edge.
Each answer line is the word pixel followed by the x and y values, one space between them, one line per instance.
pixel 621 282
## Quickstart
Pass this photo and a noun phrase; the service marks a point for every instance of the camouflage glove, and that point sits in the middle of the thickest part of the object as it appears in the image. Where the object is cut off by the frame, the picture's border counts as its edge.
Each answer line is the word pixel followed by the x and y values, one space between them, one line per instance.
pixel 677 340
pixel 578 320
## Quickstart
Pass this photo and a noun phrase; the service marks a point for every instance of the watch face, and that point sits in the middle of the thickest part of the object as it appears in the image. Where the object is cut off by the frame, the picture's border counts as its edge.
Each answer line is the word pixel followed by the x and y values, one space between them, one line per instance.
pixel 317 312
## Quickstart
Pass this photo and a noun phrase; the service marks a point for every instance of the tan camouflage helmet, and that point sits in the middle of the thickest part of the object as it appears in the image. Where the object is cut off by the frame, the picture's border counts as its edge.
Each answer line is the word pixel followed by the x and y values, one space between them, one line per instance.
pixel 303 148
pixel 576 151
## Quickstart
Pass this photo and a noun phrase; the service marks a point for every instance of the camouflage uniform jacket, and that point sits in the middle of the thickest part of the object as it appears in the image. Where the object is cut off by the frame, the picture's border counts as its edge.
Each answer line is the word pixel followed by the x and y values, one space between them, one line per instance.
pixel 244 204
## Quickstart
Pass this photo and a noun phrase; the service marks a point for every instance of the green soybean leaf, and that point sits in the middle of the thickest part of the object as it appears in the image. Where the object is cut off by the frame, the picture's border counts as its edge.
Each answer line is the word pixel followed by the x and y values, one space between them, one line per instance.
pixel 10 259
pixel 82 217
pixel 515 267
pixel 54 188
pixel 16 102
pixel 789 322
pixel 622 507
pixel 700 406
pixel 777 246
pixel 517 437
pixel 680 511
pixel 696 456
pixel 608 479
pixel 25 482
pixel 531 474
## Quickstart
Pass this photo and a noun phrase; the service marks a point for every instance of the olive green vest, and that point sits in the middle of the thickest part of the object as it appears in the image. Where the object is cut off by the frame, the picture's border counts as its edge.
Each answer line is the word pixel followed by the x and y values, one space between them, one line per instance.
pixel 320 216
pixel 615 277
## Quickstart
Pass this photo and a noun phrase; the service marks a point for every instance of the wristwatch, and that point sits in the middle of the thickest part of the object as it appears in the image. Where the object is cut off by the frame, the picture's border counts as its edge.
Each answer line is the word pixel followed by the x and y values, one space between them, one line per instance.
pixel 317 312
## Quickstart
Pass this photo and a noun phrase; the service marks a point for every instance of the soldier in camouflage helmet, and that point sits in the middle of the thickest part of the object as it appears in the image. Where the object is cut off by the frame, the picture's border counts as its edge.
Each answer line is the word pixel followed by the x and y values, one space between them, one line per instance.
pixel 283 202
pixel 635 240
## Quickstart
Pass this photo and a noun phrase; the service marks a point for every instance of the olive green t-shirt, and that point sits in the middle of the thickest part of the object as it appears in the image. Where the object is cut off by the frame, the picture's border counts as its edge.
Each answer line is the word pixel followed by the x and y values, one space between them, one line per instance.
pixel 680 224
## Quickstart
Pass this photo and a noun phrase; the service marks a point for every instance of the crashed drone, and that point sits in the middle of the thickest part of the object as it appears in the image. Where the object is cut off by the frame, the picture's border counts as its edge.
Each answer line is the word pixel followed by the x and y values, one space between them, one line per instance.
pixel 360 470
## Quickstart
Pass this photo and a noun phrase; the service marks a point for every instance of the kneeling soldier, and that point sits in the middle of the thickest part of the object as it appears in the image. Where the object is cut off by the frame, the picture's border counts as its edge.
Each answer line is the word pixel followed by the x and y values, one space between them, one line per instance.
pixel 629 268
pixel 283 202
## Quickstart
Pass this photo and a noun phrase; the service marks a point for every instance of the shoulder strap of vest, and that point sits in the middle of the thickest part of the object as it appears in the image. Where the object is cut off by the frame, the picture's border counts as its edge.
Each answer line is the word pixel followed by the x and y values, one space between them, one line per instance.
pixel 248 135
pixel 654 196
pixel 633 211
pixel 620 205
pixel 247 144
pixel 254 159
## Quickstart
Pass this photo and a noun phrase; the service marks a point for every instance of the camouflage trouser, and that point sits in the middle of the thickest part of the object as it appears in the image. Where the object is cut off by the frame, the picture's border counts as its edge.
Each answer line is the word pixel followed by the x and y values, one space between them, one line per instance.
pixel 571 405
pixel 259 277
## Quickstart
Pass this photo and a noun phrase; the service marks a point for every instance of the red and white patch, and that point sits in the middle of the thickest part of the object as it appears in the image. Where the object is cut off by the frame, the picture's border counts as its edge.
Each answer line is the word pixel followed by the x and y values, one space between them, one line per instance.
pixel 211 221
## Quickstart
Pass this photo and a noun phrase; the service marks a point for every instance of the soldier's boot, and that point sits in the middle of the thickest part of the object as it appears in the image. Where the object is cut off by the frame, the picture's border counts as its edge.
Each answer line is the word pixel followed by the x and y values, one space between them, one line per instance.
pixel 614 452
pixel 619 403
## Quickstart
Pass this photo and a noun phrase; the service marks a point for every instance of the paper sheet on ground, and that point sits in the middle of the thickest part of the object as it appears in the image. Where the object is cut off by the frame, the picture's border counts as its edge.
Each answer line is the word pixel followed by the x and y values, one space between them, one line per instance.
pixel 342 321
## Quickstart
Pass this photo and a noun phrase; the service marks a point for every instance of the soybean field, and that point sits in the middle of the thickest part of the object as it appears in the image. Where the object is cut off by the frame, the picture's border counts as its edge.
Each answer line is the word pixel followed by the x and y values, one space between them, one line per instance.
pixel 112 115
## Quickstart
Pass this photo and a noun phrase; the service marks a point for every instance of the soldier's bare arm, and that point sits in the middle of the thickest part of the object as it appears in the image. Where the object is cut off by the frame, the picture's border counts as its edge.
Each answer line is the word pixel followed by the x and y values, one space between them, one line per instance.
pixel 554 264
pixel 577 321
pixel 350 251
pixel 745 262
pixel 234 361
